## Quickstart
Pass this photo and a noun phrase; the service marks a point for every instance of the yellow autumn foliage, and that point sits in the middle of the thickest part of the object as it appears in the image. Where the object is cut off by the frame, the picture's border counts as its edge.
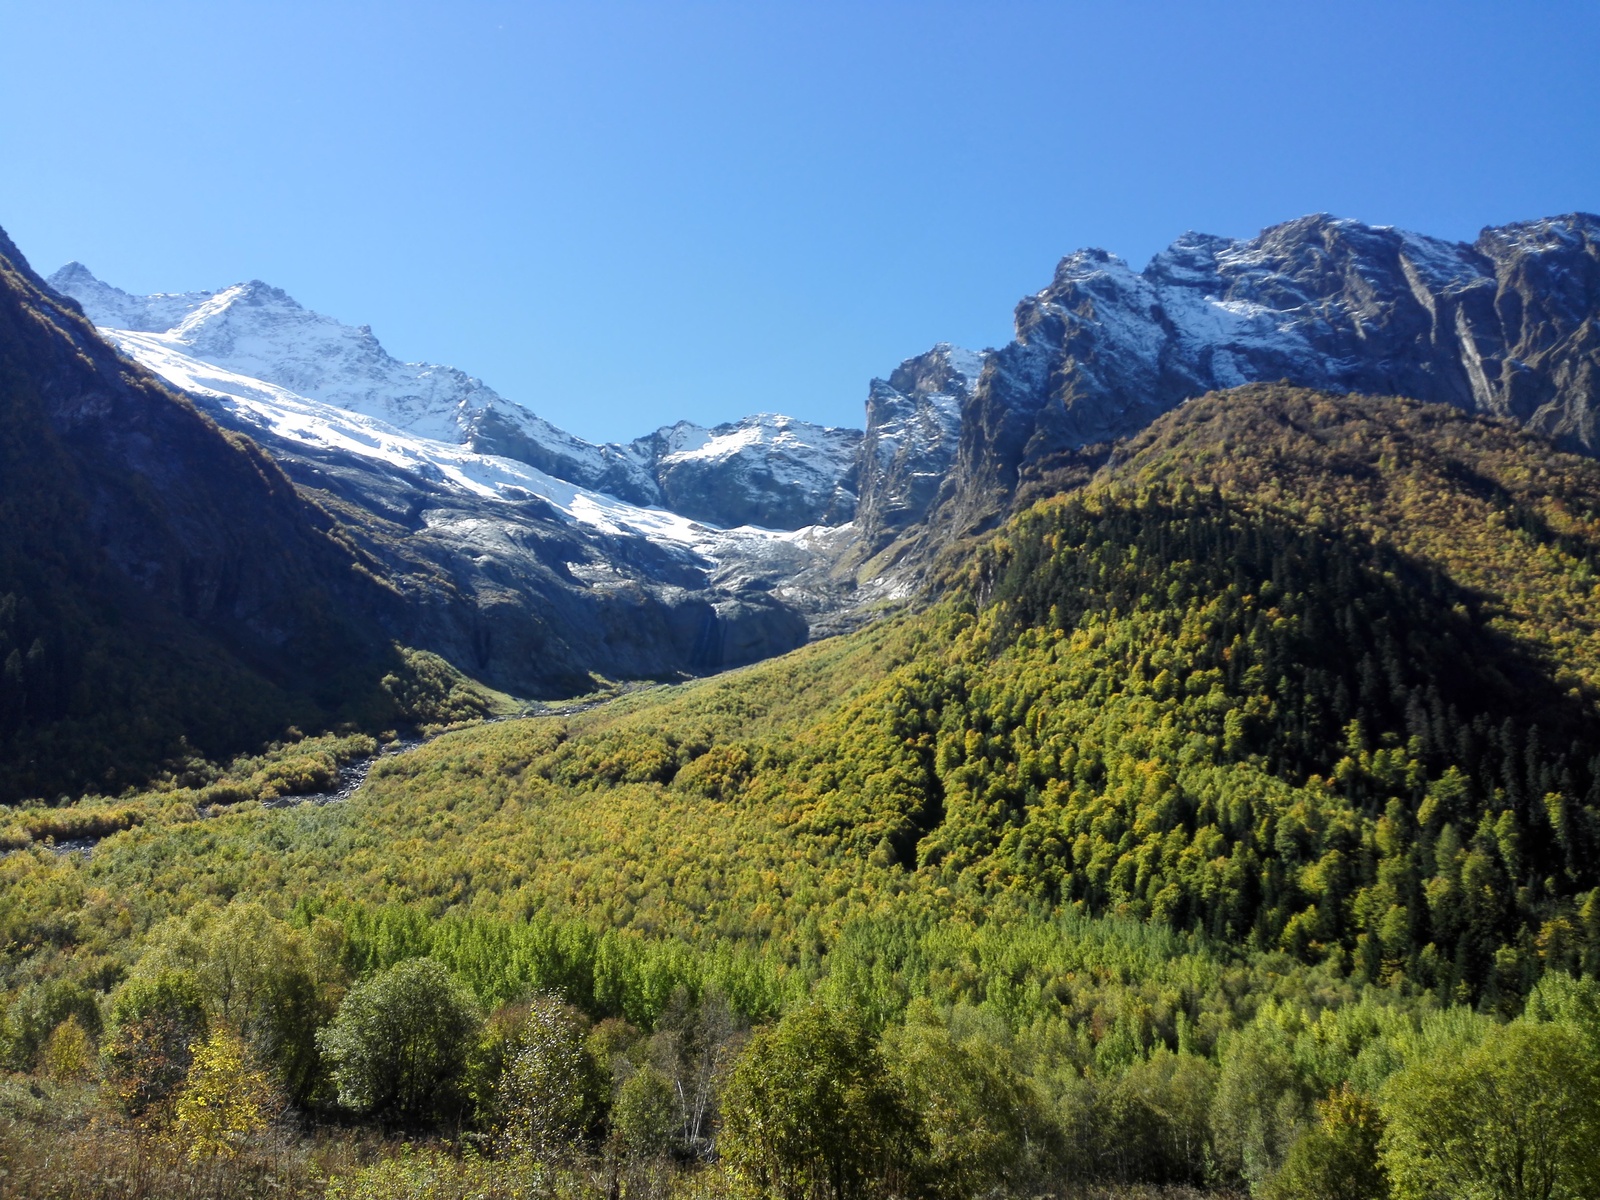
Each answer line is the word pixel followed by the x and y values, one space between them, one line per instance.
pixel 225 1100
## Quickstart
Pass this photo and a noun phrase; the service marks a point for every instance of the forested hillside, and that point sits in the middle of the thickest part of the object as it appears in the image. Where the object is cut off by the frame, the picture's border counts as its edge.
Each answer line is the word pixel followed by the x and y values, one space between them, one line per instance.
pixel 1214 827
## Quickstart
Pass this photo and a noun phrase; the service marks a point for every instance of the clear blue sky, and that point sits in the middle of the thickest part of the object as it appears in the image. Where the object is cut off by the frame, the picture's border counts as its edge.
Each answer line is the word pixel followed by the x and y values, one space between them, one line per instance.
pixel 625 214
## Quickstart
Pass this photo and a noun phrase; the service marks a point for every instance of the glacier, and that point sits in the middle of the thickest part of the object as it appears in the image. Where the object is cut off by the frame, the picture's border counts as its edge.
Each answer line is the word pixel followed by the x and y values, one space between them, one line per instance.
pixel 766 469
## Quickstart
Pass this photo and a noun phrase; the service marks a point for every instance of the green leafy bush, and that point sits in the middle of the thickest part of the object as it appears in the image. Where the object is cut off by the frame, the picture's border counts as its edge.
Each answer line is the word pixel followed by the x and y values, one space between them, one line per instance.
pixel 399 1046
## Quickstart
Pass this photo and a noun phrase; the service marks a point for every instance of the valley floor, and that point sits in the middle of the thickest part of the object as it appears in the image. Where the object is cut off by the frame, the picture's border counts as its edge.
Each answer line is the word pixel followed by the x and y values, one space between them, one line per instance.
pixel 1229 824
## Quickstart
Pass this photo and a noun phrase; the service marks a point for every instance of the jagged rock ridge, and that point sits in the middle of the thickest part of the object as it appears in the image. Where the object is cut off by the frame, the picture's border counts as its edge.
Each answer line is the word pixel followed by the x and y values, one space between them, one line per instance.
pixel 913 430
pixel 1508 325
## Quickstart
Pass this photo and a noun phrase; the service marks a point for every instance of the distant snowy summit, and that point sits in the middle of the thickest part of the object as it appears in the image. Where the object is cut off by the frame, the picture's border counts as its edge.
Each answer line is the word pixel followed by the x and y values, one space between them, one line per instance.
pixel 765 470
pixel 260 331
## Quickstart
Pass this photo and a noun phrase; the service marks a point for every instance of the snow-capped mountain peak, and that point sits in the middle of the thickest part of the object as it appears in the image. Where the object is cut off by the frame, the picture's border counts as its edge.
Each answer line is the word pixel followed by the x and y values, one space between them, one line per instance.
pixel 114 308
pixel 766 470
pixel 257 330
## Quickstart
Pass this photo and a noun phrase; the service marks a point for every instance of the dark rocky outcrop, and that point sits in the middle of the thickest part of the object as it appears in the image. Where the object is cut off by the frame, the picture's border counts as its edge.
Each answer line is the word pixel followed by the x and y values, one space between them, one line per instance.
pixel 163 585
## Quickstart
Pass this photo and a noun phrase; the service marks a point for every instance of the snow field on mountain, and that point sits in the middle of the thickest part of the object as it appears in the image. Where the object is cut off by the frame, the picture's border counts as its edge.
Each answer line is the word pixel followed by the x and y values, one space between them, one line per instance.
pixel 275 410
pixel 257 332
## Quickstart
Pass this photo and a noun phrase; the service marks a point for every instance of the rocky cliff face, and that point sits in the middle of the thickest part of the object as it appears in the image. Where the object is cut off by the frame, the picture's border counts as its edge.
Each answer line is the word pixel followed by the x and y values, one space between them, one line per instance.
pixel 515 591
pixel 1508 325
pixel 913 430
pixel 204 525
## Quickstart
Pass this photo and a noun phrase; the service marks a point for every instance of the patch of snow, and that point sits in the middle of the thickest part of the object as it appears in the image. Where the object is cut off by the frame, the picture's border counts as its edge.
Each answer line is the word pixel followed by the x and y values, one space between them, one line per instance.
pixel 764 432
pixel 1542 236
pixel 704 444
pixel 1445 265
pixel 966 363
